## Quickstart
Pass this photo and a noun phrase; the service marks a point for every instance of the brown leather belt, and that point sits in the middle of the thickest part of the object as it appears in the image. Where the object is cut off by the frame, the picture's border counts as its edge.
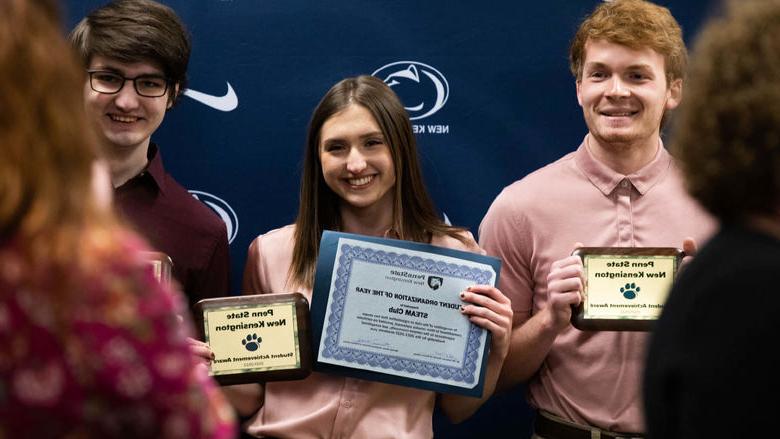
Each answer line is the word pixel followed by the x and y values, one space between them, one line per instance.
pixel 552 429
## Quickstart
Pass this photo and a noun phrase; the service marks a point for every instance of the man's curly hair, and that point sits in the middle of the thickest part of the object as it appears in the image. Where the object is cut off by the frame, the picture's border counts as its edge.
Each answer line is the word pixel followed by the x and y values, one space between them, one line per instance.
pixel 727 136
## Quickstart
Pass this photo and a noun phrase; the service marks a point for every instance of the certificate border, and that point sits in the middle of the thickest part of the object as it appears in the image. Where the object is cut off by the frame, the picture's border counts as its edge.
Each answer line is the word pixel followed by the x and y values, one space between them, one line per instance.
pixel 323 281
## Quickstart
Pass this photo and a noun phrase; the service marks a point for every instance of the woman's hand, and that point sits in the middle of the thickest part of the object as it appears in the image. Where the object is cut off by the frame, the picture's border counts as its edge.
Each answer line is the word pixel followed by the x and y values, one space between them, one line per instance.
pixel 489 308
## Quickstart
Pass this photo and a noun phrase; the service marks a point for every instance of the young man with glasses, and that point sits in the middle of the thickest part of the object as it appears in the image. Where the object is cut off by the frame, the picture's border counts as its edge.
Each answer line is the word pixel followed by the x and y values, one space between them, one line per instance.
pixel 136 53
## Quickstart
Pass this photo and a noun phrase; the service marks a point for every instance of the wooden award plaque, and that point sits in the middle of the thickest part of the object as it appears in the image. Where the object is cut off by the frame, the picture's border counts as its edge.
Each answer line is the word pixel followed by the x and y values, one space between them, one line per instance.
pixel 625 287
pixel 257 338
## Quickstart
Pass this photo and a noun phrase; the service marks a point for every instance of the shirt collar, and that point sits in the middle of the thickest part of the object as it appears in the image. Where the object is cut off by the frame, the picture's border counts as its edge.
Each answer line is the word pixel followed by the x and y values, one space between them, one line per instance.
pixel 155 168
pixel 606 180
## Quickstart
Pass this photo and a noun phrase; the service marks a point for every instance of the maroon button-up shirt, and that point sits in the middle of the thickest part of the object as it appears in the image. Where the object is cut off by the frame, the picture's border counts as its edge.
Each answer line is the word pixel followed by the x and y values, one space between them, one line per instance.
pixel 177 224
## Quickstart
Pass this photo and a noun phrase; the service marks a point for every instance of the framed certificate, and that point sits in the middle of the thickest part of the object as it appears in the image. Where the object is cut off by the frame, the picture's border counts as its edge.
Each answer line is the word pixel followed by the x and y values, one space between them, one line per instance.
pixel 389 310
pixel 257 338
pixel 625 287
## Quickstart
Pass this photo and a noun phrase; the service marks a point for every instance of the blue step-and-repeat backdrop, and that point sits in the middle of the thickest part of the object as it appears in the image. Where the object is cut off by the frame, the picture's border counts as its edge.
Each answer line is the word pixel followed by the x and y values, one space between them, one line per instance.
pixel 487 86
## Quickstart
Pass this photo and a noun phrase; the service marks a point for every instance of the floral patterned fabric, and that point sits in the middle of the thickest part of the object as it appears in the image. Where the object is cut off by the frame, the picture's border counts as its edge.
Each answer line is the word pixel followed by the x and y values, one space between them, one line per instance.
pixel 115 364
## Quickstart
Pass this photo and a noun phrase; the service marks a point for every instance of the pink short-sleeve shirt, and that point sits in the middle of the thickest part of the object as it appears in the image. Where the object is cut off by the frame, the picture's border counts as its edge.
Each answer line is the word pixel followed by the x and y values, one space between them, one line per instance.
pixel 588 377
pixel 327 405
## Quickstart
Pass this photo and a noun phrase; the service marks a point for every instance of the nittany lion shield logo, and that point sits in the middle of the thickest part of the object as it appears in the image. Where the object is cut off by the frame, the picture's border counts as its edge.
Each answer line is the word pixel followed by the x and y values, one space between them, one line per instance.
pixel 435 282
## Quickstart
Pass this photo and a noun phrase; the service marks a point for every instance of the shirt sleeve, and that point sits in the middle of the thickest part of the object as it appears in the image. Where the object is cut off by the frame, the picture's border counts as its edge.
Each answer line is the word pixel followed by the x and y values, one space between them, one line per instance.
pixel 502 234
pixel 472 246
pixel 214 279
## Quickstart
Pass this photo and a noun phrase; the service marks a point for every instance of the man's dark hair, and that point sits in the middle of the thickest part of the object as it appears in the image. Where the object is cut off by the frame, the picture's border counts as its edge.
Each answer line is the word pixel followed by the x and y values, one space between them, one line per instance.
pixel 136 31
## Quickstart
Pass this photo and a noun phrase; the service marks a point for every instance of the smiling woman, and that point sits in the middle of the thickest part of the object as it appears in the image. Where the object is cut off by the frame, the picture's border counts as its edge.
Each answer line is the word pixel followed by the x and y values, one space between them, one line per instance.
pixel 361 175
pixel 362 119
pixel 358 167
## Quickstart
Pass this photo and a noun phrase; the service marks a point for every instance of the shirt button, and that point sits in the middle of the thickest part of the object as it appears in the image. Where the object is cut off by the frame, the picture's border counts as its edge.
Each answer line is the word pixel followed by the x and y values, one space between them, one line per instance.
pixel 347 404
pixel 624 183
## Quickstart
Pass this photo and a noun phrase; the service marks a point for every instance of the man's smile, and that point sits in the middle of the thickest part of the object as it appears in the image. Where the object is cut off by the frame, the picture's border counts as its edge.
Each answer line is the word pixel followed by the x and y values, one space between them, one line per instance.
pixel 123 118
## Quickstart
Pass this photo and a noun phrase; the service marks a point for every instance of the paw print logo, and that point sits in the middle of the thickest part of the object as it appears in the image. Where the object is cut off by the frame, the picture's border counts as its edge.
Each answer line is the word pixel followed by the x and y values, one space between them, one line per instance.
pixel 630 290
pixel 251 342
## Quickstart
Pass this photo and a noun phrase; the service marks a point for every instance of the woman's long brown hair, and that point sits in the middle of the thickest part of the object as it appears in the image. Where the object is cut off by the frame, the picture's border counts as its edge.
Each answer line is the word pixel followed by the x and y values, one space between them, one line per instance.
pixel 415 217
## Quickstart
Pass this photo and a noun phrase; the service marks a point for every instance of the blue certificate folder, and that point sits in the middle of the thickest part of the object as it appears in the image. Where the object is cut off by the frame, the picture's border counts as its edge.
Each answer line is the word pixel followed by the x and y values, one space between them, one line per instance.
pixel 389 310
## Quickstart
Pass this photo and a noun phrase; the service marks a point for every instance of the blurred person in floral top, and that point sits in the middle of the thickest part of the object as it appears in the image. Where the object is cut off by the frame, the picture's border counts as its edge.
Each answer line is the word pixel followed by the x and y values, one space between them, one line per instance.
pixel 91 342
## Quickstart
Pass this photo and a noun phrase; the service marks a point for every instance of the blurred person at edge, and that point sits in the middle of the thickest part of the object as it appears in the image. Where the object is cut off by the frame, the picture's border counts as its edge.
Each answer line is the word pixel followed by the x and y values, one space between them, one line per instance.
pixel 710 371
pixel 92 346
pixel 361 175
pixel 136 54
pixel 620 188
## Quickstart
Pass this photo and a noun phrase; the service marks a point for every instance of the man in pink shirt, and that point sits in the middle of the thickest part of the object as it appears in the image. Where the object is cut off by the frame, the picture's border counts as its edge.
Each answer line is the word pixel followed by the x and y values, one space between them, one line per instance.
pixel 620 188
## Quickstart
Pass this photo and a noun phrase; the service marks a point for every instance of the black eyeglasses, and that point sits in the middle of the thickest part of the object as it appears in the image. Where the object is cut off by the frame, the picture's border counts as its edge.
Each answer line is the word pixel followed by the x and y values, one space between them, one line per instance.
pixel 107 82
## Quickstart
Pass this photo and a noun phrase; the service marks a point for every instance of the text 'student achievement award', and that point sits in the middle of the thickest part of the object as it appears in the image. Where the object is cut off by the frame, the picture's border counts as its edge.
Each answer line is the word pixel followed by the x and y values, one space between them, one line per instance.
pixel 389 310
pixel 625 287
pixel 257 338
